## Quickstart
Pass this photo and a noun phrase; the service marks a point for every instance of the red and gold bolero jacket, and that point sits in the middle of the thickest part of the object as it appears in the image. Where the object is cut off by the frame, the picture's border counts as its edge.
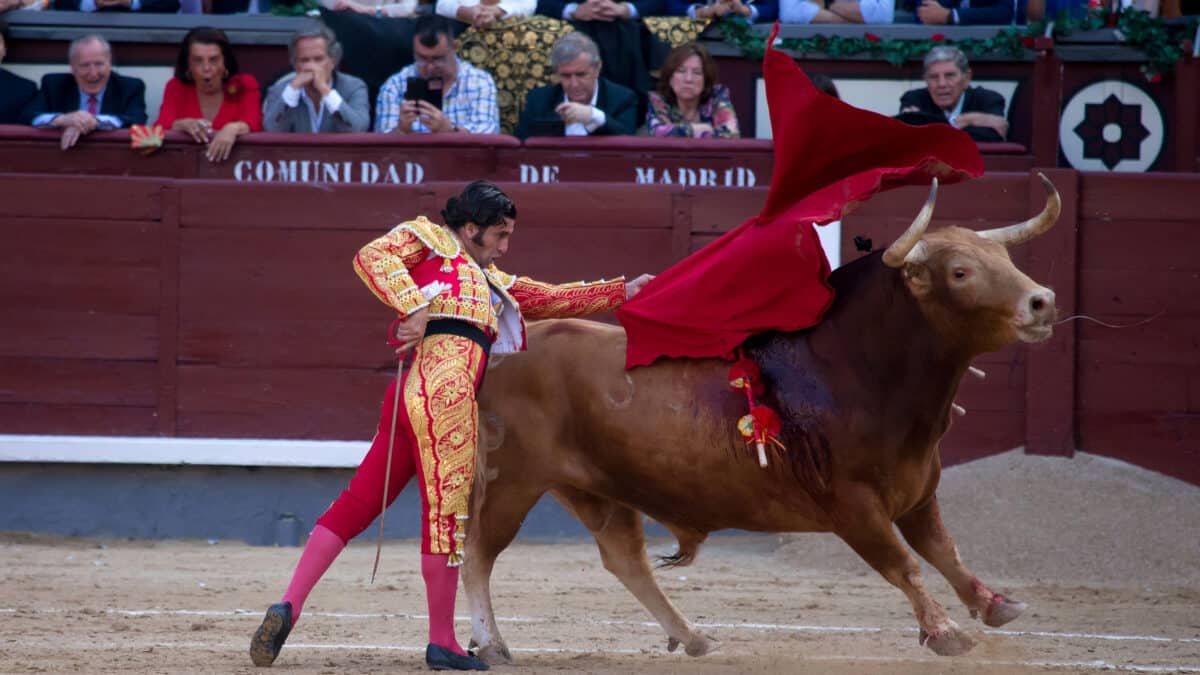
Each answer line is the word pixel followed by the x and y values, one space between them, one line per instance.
pixel 421 264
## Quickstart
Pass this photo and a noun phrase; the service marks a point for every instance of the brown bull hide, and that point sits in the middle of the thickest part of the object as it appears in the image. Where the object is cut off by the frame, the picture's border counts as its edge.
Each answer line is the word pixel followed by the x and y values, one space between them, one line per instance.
pixel 865 397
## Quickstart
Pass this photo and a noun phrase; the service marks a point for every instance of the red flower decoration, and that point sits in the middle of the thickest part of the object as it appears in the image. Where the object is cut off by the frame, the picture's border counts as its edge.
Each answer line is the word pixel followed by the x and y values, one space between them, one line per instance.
pixel 744 373
pixel 871 37
pixel 937 37
pixel 766 421
pixel 1027 41
pixel 1155 78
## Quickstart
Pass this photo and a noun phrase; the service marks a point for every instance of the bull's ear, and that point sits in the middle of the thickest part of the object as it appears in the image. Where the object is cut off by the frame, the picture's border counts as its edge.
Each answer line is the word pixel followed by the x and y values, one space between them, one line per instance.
pixel 916 277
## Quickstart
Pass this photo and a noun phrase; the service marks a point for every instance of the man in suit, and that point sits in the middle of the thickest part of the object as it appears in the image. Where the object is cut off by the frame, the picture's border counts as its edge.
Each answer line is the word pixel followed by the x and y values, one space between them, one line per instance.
pixel 15 91
pixel 948 96
pixel 91 97
pixel 582 103
pixel 600 10
pixel 316 98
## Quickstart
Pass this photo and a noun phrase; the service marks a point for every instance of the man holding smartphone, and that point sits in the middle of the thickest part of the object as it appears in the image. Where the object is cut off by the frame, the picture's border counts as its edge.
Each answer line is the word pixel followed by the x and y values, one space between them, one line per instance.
pixel 438 92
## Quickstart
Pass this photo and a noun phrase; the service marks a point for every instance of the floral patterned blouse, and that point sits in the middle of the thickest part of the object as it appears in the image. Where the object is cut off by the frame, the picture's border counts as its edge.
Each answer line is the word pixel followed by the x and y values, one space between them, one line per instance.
pixel 664 120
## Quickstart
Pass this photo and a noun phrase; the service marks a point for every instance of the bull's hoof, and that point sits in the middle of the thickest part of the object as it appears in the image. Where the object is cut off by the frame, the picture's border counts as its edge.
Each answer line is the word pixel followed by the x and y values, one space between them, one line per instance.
pixel 952 641
pixel 698 645
pixel 1001 611
pixel 494 654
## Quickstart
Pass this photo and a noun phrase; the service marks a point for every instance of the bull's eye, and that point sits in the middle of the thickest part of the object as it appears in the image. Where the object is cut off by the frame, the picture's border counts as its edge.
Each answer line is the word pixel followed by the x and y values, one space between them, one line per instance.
pixel 960 273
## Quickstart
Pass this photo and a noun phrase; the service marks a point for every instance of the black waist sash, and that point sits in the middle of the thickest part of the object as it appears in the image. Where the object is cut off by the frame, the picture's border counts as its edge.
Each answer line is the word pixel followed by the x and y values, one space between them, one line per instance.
pixel 462 329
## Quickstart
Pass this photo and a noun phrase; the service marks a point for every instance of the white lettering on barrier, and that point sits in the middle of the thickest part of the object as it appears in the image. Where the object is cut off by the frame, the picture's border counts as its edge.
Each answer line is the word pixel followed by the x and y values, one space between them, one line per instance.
pixel 547 173
pixel 738 176
pixel 315 171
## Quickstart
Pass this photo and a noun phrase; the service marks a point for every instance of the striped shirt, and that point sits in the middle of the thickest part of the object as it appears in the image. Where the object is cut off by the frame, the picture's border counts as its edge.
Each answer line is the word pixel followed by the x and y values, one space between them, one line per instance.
pixel 469 103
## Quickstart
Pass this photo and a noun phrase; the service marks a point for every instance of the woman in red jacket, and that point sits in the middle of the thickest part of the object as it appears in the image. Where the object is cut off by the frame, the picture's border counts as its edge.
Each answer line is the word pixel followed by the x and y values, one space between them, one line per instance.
pixel 207 99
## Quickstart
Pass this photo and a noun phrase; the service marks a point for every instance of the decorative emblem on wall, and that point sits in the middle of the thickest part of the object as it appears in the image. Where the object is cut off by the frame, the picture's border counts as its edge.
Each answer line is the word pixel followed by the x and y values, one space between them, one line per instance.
pixel 1111 125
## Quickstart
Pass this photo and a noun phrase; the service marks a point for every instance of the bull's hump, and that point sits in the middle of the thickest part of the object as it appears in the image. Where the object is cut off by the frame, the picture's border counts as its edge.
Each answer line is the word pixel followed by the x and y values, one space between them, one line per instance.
pixel 574 329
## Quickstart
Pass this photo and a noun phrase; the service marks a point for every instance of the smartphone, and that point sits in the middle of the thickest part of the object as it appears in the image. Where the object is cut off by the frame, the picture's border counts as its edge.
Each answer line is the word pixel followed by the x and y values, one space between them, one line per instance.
pixel 421 89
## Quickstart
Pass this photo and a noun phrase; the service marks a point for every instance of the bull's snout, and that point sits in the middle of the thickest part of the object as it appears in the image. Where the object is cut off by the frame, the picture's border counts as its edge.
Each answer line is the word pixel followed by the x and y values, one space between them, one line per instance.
pixel 1036 314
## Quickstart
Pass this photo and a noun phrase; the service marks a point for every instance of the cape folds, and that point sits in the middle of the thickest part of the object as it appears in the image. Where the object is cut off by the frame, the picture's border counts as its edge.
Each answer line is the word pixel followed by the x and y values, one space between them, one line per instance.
pixel 770 273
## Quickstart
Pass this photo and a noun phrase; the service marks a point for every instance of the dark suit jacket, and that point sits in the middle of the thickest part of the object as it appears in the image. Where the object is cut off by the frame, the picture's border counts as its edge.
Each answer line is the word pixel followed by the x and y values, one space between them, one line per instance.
pixel 768 10
pixel 15 93
pixel 555 8
pixel 981 12
pixel 975 99
pixel 620 106
pixel 124 98
pixel 152 6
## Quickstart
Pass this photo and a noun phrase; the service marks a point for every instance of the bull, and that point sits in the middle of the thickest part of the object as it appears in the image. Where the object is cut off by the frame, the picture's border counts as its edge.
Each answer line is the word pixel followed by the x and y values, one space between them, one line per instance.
pixel 865 397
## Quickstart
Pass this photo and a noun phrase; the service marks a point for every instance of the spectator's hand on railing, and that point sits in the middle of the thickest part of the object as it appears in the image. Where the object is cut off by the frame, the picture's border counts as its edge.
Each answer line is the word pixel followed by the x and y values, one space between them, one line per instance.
pixel 70 137
pixel 105 4
pixel 222 144
pixel 80 120
pixel 199 129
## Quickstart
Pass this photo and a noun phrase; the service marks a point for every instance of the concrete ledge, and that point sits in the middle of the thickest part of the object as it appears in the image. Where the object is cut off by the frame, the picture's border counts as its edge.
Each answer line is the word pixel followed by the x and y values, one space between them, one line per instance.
pixel 182 451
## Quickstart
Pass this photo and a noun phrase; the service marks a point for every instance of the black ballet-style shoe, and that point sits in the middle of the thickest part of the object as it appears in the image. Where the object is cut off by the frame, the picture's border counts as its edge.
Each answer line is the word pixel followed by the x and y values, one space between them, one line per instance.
pixel 271 634
pixel 438 657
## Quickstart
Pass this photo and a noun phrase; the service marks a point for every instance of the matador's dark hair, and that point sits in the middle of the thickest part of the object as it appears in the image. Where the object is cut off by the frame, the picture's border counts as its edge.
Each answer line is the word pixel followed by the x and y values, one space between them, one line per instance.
pixel 481 203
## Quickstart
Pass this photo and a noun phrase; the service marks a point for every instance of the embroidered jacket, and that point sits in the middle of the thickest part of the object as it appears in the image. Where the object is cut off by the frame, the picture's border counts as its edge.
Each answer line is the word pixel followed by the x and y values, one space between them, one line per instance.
pixel 420 264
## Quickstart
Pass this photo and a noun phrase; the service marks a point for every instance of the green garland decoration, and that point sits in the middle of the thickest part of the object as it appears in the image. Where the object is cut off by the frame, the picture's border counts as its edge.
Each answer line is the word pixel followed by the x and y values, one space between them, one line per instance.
pixel 1162 44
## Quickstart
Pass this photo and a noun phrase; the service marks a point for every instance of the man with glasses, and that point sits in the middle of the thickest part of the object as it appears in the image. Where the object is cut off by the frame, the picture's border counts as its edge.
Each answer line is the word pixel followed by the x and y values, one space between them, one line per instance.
pixel 467 94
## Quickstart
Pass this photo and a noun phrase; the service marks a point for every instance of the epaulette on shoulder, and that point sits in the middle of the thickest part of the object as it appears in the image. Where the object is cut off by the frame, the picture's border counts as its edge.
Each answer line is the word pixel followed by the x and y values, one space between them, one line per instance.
pixel 505 279
pixel 436 237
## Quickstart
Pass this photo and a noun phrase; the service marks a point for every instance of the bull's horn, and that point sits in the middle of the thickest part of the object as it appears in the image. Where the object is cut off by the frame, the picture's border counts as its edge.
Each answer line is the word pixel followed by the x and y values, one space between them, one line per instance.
pixel 1022 232
pixel 905 249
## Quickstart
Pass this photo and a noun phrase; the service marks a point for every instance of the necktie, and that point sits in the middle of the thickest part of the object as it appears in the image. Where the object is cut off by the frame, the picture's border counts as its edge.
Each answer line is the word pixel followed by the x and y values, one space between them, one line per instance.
pixel 92 107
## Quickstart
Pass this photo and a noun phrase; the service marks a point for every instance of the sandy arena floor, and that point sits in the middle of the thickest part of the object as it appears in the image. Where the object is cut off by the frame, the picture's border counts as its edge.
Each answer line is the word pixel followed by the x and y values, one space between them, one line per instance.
pixel 1107 556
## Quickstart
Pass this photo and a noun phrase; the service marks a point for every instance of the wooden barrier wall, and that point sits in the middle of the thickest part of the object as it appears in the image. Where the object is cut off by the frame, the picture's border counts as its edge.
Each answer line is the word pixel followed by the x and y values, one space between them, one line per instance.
pixel 423 158
pixel 146 306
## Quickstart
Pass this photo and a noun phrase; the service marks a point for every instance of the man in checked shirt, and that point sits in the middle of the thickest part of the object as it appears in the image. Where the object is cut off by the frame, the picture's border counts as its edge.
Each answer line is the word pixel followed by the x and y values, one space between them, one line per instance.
pixel 468 93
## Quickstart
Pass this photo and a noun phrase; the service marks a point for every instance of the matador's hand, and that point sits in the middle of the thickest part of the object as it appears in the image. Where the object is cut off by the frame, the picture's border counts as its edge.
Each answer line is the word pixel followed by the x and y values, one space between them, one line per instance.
pixel 410 330
pixel 633 287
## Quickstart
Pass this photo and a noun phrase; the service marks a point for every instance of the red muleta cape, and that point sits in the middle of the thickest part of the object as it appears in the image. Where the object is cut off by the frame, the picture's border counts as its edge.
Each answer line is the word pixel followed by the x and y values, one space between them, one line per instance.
pixel 770 273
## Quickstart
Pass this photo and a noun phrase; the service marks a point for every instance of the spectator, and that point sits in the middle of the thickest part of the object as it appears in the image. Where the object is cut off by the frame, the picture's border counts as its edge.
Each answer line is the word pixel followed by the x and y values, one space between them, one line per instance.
pixel 468 94
pixel 91 97
pixel 964 12
pixel 145 6
pixel 948 97
pixel 689 102
pixel 753 11
pixel 16 92
pixel 376 8
pixel 207 99
pixel 838 11
pixel 6 5
pixel 483 13
pixel 582 103
pixel 600 10
pixel 317 98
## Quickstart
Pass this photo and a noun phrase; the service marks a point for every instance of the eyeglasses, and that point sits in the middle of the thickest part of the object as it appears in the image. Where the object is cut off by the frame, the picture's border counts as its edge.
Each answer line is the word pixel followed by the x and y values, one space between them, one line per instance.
pixel 432 60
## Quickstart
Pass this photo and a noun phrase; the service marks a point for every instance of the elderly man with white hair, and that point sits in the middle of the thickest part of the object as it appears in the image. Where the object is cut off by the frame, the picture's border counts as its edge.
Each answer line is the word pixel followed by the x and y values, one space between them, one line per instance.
pixel 90 97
